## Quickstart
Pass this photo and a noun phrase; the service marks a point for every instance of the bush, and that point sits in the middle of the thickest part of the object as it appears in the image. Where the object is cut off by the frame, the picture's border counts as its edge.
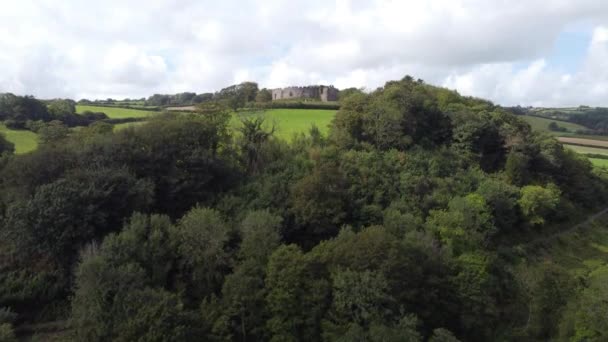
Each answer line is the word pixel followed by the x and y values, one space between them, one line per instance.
pixel 14 124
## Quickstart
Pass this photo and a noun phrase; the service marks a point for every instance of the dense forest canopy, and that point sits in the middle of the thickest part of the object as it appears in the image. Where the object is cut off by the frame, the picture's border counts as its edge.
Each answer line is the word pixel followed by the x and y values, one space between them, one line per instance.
pixel 401 225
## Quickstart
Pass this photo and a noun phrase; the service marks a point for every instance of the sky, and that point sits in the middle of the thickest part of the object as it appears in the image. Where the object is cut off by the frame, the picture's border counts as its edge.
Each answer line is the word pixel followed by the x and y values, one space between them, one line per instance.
pixel 513 52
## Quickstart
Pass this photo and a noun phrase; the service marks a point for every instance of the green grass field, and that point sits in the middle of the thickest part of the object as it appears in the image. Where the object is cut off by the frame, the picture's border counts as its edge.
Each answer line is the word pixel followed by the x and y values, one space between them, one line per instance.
pixel 599 162
pixel 288 122
pixel 25 141
pixel 541 124
pixel 118 127
pixel 117 113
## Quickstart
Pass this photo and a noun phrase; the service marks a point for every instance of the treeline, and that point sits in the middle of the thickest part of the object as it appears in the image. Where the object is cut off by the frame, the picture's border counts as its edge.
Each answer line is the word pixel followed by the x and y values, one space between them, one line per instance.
pixel 26 112
pixel 596 119
pixel 237 96
pixel 398 226
pixel 234 96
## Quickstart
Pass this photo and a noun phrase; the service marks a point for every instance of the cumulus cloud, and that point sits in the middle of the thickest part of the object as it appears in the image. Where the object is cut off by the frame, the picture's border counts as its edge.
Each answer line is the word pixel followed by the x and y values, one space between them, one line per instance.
pixel 495 49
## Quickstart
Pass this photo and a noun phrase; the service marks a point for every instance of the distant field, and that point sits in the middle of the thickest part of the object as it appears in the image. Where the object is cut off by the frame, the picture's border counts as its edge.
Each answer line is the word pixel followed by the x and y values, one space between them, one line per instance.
pixel 590 137
pixel 25 141
pixel 599 162
pixel 288 122
pixel 584 142
pixel 541 124
pixel 117 113
pixel 586 149
pixel 571 110
pixel 182 108
pixel 118 127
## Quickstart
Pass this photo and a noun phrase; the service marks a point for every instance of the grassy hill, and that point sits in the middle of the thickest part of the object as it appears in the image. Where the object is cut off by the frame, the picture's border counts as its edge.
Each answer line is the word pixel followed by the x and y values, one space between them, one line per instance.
pixel 542 124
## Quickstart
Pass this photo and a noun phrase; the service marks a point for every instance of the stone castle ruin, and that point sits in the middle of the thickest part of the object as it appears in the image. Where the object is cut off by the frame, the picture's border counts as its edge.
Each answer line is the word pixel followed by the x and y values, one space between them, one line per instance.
pixel 321 93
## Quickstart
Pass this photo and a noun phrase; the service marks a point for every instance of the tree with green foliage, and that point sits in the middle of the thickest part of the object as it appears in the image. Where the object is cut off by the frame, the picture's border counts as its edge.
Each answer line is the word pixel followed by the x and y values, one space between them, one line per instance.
pixel 537 203
pixel 254 136
pixel 60 109
pixel 64 215
pixel 479 136
pixel 399 115
pixel 348 92
pixel 502 198
pixel 113 301
pixel 263 96
pixel 318 201
pixel 202 237
pixel 466 225
pixel 53 133
pixel 244 292
pixel 19 109
pixel 297 296
pixel 360 299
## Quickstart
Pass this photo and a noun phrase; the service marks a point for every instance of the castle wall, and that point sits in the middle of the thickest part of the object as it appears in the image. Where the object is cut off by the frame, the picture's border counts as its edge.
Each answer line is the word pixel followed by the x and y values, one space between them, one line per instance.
pixel 329 94
pixel 322 93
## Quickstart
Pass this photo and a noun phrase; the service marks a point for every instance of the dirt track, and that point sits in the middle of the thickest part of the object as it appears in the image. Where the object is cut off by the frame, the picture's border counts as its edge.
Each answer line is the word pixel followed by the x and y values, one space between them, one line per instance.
pixel 584 142
pixel 188 108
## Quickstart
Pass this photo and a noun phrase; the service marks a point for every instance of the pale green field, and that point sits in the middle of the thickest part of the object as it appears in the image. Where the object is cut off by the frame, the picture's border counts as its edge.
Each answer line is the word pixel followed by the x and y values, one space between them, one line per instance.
pixel 586 150
pixel 599 162
pixel 118 127
pixel 541 124
pixel 25 141
pixel 117 113
pixel 288 122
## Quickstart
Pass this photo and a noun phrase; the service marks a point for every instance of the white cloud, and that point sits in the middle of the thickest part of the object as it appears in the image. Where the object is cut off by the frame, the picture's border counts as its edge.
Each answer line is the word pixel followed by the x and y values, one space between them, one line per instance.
pixel 494 48
pixel 537 83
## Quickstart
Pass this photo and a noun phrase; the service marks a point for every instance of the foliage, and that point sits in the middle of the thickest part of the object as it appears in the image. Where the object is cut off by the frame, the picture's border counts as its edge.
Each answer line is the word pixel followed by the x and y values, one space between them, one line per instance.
pixel 202 238
pixel 22 108
pixel 53 132
pixel 410 221
pixel 396 116
pixel 537 202
pixel 263 96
